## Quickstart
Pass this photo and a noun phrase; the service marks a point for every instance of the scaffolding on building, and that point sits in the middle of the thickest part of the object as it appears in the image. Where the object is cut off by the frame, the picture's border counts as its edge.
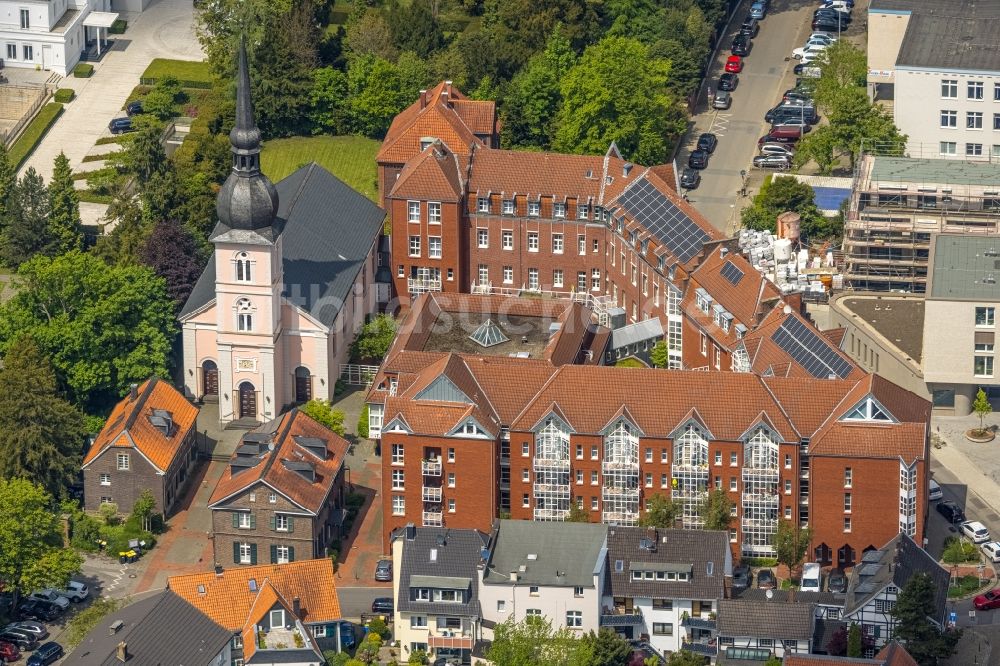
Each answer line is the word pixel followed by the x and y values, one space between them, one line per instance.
pixel 551 466
pixel 760 494
pixel 620 468
pixel 689 474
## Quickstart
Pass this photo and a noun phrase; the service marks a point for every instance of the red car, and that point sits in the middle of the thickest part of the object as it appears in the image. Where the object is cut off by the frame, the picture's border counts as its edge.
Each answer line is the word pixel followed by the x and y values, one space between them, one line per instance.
pixel 8 652
pixel 734 64
pixel 987 601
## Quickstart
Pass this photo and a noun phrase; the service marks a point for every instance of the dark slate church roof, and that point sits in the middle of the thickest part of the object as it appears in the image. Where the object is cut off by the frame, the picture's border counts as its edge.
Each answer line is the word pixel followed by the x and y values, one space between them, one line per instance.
pixel 328 229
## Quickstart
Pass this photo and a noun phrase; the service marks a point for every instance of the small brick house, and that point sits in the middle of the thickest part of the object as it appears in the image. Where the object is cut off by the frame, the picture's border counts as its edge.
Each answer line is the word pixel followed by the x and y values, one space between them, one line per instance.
pixel 147 442
pixel 282 496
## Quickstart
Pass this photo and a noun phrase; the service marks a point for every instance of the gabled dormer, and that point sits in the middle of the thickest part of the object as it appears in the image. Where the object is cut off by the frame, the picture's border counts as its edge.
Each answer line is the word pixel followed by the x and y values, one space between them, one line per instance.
pixel 469 427
pixel 444 390
pixel 869 410
pixel 554 417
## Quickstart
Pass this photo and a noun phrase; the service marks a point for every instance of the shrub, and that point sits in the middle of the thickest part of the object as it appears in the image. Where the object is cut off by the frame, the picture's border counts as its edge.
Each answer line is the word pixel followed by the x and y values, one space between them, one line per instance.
pixel 83 70
pixel 334 658
pixel 417 657
pixel 83 622
pixel 109 513
pixel 118 27
pixel 321 411
pixel 363 422
pixel 64 95
pixel 378 627
pixel 958 551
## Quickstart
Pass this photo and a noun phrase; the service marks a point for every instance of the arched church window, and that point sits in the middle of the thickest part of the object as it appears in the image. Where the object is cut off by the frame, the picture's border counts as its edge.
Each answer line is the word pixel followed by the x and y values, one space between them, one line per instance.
pixel 244 315
pixel 242 267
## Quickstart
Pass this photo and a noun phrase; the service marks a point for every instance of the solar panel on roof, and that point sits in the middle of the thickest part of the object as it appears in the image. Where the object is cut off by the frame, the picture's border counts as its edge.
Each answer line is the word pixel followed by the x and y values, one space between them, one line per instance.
pixel 661 216
pixel 809 350
pixel 731 273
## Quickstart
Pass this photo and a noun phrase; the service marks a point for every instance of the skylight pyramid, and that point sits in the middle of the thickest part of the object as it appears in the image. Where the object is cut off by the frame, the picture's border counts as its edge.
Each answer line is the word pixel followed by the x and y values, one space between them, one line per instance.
pixel 489 334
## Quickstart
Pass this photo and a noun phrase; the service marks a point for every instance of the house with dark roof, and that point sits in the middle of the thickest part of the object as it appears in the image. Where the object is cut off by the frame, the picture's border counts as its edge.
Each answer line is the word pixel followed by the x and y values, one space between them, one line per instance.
pixel 876 581
pixel 663 586
pixel 756 630
pixel 551 569
pixel 436 590
pixel 148 442
pixel 291 279
pixel 281 497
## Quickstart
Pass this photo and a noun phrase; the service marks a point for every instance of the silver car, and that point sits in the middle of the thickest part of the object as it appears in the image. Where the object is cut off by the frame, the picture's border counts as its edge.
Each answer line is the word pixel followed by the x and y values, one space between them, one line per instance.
pixel 772 162
pixel 723 100
pixel 777 149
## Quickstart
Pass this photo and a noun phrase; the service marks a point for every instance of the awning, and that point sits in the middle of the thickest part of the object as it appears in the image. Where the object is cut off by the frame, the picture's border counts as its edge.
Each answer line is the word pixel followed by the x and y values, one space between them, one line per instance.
pixel 453 642
pixel 100 19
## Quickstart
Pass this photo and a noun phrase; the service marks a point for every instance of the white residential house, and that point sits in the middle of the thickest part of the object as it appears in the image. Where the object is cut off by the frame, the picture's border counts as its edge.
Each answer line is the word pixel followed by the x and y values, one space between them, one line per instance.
pixel 51 34
pixel 665 585
pixel 755 630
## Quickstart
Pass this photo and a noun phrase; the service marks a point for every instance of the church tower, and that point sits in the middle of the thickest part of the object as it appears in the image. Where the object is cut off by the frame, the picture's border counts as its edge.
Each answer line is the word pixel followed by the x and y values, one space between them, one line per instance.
pixel 248 282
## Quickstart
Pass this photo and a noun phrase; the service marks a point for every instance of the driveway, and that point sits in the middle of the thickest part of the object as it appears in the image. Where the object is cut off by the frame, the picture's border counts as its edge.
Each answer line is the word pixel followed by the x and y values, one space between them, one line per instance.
pixel 164 30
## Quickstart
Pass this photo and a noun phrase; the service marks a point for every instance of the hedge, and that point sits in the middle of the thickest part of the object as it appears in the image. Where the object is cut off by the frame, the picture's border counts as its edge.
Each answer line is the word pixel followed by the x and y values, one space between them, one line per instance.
pixel 34 132
pixel 86 196
pixel 118 27
pixel 189 73
pixel 83 70
pixel 110 139
pixel 64 95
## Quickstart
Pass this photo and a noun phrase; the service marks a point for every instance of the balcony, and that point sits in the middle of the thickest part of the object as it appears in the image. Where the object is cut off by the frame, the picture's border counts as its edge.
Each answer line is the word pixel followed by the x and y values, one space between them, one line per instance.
pixel 432 518
pixel 768 499
pixel 707 648
pixel 431 467
pixel 550 514
pixel 621 617
pixel 705 624
pixel 804 498
pixel 453 639
pixel 557 464
pixel 419 286
pixel 560 489
pixel 432 494
pixel 758 524
pixel 701 470
pixel 625 518
pixel 609 466
pixel 689 494
pixel 621 491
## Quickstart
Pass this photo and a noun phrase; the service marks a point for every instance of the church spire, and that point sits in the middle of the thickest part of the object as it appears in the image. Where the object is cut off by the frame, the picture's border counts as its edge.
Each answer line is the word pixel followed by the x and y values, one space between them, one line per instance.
pixel 247 200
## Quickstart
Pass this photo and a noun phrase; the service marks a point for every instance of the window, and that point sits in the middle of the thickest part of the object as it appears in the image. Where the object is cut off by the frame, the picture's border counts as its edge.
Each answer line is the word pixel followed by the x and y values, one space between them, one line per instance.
pixel 524 449
pixel 847 502
pixel 974 89
pixel 996 121
pixel 525 501
pixel 483 236
pixel 593 504
pixel 581 281
pixel 398 479
pixel 984 346
pixel 948 148
pixel 12 51
pixel 418 622
pixel 848 477
pixel 244 315
pixel 788 461
pixel 788 487
pixel 508 274
pixel 732 484
pixel 400 271
pixel 414 246
pixel 649 480
pixel 397 454
pixel 283 554
pixel 105 479
pixel 398 505
pixel 593 453
pixel 788 513
pixel 949 118
pixel 558 210
pixel 242 267
pixel 28 51
pixel 433 247
pixel 237 642
pixel 533 590
pixel 595 279
pixel 732 460
pixel 434 213
pixel 533 612
pixel 574 619
pixel 508 206
pixel 244 520
pixel 949 88
pixel 533 279
pixel 451 479
pixel 557 277
pixel 532 241
pixel 582 211
pixel 534 208
pixel 451 506
pixel 123 462
pixel 483 205
pixel 272 498
pixel 983 366
pixel 593 478
pixel 25 19
pixel 106 500
pixel 847 524
pixel 704 345
pixel 557 243
pixel 718 457
pixel 246 553
pixel 974 120
pixel 413 211
pixel 507 239
pixel 884 605
pixel 579 477
pixel 996 92
pixel 985 316
pixel 501 605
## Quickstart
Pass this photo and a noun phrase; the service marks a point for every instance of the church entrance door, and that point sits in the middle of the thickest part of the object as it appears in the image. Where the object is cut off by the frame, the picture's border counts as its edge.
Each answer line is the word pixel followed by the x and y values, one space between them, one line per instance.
pixel 210 372
pixel 248 401
pixel 303 385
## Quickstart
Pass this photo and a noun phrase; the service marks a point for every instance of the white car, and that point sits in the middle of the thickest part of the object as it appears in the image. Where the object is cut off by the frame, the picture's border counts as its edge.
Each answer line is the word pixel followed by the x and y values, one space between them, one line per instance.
pixel 836 6
pixel 991 549
pixel 975 530
pixel 75 591
pixel 809 50
pixel 824 37
pixel 52 597
pixel 935 491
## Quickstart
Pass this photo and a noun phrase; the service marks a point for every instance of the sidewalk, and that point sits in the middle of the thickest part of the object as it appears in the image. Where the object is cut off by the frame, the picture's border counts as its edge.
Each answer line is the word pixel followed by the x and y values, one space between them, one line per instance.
pixel 975 465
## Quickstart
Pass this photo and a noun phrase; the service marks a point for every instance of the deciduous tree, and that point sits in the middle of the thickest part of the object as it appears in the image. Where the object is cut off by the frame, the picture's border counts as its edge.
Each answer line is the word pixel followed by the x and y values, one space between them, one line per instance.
pixel 659 356
pixel 534 641
pixel 783 194
pixel 534 96
pixel 915 605
pixel 685 658
pixel 8 183
pixel 322 412
pixel 982 408
pixel 171 251
pixel 415 28
pixel 717 510
pixel 64 208
pixel 370 35
pixel 661 512
pixel 577 514
pixel 374 339
pixel 791 543
pixel 375 95
pixel 328 102
pixel 608 648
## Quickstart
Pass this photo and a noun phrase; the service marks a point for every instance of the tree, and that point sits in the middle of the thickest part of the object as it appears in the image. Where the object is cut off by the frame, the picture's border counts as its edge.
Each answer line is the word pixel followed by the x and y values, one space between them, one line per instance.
pixel 772 661
pixel 577 514
pixel 685 658
pixel 83 622
pixel 855 646
pixel 533 641
pixel 717 510
pixel 363 422
pixel 375 338
pixel 783 194
pixel 322 412
pixel 40 433
pixel 328 101
pixel 220 25
pixel 143 508
pixel 143 155
pixel 914 608
pixel 791 544
pixel 31 552
pixel 982 408
pixel 104 327
pixel 608 648
pixel 844 66
pixel 64 208
pixel 8 183
pixel 595 113
pixel 418 657
pixel 27 231
pixel 837 645
pixel 376 95
pixel 659 355
pixel 661 512
pixel 370 35
pixel 820 147
pixel 161 99
pixel 521 27
pixel 171 252
pixel 414 28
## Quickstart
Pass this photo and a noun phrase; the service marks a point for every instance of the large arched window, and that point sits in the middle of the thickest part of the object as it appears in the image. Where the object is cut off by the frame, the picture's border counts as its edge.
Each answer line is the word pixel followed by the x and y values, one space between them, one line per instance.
pixel 552 442
pixel 691 448
pixel 760 450
pixel 242 267
pixel 244 315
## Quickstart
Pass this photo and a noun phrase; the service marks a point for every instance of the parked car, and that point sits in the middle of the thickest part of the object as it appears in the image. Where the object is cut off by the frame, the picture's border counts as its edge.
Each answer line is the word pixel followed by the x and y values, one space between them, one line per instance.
pixel 836 581
pixel 8 652
pixel 991 549
pixel 832 14
pixel 36 609
pixel 935 491
pixel 766 580
pixel 134 108
pixel 758 10
pixel 750 27
pixel 22 640
pixel 826 24
pixel 784 135
pixel 75 591
pixel 837 3
pixel 690 178
pixel 741 45
pixel 987 601
pixel 789 110
pixel 46 654
pixel 707 142
pixel 734 64
pixel 120 125
pixel 383 570
pixel 808 70
pixel 813 49
pixel 792 121
pixel 975 530
pixel 797 96
pixel 36 629
pixel 742 577
pixel 776 149
pixel 698 159
pixel 836 7
pixel 382 605
pixel 952 512
pixel 50 596
pixel 723 100
pixel 821 38
pixel 729 81
pixel 812 577
pixel 772 161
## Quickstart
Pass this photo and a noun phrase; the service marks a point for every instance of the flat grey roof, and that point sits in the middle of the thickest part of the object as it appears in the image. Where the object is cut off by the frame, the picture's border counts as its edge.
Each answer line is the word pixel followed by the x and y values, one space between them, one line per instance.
pixel 940 172
pixel 555 554
pixel 900 320
pixel 965 267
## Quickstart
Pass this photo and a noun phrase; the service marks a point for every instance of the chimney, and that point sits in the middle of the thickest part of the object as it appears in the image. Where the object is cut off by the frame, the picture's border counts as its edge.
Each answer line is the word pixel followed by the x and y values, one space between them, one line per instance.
pixel 723 251
pixel 218 569
pixel 423 98
pixel 448 87
pixel 297 608
pixel 122 652
pixel 133 392
pixel 626 168
pixel 411 532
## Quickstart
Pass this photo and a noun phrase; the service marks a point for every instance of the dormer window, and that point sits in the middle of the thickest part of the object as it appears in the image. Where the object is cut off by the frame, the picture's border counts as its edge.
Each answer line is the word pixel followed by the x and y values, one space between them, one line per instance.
pixel 483 205
pixel 703 300
pixel 244 315
pixel 868 410
pixel 558 210
pixel 242 267
pixel 582 211
pixel 661 263
pixel 534 208
pixel 508 207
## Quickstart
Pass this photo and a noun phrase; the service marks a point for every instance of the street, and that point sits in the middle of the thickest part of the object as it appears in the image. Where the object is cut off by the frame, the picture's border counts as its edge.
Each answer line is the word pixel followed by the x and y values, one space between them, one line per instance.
pixel 357 600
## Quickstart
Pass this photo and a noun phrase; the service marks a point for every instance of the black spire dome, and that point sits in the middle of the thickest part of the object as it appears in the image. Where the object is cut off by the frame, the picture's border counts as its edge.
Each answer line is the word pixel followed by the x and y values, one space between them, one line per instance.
pixel 247 200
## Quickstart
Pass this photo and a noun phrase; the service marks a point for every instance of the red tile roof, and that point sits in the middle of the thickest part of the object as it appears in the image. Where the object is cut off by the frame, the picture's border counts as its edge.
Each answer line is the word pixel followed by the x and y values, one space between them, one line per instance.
pixel 894 654
pixel 129 426
pixel 272 470
pixel 436 173
pixel 748 300
pixel 766 356
pixel 479 115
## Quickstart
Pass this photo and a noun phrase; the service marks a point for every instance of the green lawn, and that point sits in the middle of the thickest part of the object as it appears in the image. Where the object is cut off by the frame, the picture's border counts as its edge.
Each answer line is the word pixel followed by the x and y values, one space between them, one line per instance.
pixel 966 585
pixel 349 158
pixel 192 73
pixel 34 132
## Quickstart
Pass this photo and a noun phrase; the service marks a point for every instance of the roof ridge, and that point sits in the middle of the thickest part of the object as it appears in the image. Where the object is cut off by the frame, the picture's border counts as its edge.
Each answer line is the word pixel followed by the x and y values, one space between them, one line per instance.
pixel 305 179
pixel 139 404
pixel 781 407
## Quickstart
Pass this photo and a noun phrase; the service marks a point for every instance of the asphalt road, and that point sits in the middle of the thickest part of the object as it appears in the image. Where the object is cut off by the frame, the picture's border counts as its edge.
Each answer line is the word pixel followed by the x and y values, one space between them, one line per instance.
pixel 357 600
pixel 766 74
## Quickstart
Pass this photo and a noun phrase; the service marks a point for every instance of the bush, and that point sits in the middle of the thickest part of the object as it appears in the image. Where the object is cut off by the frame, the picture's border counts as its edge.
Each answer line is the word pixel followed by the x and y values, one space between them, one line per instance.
pixel 363 422
pixel 83 622
pixel 64 95
pixel 334 658
pixel 321 411
pixel 190 74
pixel 378 627
pixel 957 551
pixel 118 27
pixel 93 424
pixel 34 132
pixel 83 70
pixel 417 657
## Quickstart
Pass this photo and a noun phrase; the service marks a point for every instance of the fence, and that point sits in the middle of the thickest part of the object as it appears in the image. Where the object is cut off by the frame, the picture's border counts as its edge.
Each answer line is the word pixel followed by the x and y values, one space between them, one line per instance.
pixel 358 375
pixel 42 93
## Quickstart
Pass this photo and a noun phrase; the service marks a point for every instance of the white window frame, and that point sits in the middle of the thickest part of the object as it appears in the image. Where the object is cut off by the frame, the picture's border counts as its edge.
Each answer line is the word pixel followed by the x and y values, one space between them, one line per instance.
pixel 280 522
pixel 123 462
pixel 105 479
pixel 557 244
pixel 434 247
pixel 398 505
pixel 507 239
pixel 533 243
pixel 434 212
pixel 557 277
pixel 412 211
pixel 482 237
pixel 414 246
pixel 534 208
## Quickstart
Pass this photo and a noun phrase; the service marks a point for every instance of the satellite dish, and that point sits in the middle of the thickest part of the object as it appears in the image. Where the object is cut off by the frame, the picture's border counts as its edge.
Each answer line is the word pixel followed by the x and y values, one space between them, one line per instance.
pixel 769 594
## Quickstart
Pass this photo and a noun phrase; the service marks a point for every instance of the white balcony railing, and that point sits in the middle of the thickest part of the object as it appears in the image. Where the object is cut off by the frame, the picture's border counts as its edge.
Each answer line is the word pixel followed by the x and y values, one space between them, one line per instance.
pixel 418 286
pixel 432 494
pixel 558 489
pixel 550 514
pixel 432 518
pixel 559 464
pixel 431 467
